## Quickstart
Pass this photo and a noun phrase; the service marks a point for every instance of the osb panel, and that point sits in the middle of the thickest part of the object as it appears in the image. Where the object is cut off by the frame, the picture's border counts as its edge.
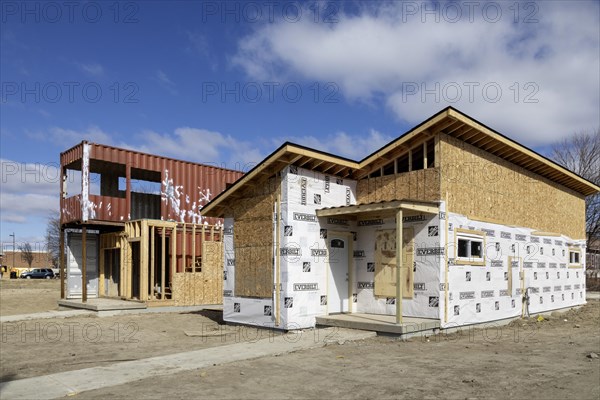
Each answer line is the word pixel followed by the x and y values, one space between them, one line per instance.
pixel 253 242
pixel 200 288
pixel 385 263
pixel 416 185
pixel 481 185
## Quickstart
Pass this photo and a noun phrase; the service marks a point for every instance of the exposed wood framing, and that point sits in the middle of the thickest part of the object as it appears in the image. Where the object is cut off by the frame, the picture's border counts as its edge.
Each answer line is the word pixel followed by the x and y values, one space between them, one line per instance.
pixel 399 266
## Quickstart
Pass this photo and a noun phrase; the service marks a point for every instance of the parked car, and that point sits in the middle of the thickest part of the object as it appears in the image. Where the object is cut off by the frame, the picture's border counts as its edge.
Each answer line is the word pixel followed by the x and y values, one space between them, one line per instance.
pixel 38 273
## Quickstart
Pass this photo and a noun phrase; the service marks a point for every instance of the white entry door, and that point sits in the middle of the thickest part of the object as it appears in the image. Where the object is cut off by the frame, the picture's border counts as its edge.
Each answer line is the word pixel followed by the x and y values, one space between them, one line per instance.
pixel 337 290
pixel 74 262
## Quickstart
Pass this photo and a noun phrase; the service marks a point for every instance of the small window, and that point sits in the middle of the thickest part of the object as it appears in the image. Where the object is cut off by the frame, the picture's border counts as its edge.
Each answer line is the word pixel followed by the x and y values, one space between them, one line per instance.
pixel 375 174
pixel 431 153
pixel 417 158
pixel 402 163
pixel 574 258
pixel 389 169
pixel 469 247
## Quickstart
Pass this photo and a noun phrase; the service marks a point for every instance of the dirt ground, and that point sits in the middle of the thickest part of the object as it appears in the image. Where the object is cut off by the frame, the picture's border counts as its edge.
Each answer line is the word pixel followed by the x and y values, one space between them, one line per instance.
pixel 526 359
pixel 26 296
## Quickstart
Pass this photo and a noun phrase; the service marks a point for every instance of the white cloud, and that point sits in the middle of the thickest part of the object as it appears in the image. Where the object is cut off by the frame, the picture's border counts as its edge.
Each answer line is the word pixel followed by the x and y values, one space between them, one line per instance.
pixel 201 145
pixel 28 190
pixel 163 79
pixel 93 69
pixel 353 146
pixel 383 52
pixel 69 137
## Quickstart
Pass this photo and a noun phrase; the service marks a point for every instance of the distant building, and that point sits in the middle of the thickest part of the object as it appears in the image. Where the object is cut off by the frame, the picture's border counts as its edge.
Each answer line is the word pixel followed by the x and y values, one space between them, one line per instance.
pixel 41 259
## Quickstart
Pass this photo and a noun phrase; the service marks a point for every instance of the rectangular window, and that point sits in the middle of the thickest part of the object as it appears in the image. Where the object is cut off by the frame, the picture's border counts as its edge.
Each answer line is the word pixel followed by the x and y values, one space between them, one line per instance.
pixel 431 153
pixel 389 169
pixel 402 162
pixel 574 258
pixel 469 247
pixel 418 157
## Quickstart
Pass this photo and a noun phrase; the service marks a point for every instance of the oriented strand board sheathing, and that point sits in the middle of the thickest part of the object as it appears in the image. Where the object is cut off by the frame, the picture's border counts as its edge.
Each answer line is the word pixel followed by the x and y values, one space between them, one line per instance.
pixel 481 185
pixel 253 243
pixel 205 287
pixel 415 185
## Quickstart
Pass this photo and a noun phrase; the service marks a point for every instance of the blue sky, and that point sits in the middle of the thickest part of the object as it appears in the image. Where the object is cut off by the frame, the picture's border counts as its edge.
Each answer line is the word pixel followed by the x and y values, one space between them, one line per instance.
pixel 227 83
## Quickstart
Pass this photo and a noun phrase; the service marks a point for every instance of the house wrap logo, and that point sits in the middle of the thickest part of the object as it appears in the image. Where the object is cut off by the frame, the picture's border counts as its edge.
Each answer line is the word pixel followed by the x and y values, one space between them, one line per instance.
pixel 337 221
pixel 228 231
pixel 546 289
pixel 305 287
pixel 577 286
pixel 289 251
pixel 558 288
pixel 442 215
pixel 558 242
pixel 419 286
pixel 227 293
pixel 521 238
pixel 487 294
pixel 527 264
pixel 563 265
pixel 305 217
pixel 347 196
pixel 541 265
pixel 231 262
pixel 534 239
pixel 434 301
pixel 553 265
pixel 327 183
pixel 489 232
pixel 505 235
pixel 370 222
pixel 515 264
pixel 303 183
pixel 318 252
pixel 413 218
pixel 365 285
pixel 504 292
pixel 497 263
pixel 547 241
pixel 466 295
pixel 359 254
pixel 430 251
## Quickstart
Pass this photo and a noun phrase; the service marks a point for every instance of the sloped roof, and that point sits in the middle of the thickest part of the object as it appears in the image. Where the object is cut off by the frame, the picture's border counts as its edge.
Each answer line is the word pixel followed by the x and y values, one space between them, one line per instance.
pixel 448 121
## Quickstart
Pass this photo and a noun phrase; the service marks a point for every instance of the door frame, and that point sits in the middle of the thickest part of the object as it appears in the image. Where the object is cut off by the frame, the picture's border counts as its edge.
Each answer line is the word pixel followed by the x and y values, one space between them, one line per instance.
pixel 350 241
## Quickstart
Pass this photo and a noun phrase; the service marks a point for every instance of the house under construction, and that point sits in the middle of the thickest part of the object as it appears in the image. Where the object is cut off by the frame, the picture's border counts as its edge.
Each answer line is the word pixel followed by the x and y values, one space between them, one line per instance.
pixel 132 229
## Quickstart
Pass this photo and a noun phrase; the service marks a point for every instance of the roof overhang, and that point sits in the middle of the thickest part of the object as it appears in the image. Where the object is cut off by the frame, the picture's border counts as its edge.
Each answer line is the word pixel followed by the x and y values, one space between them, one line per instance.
pixel 383 209
pixel 449 122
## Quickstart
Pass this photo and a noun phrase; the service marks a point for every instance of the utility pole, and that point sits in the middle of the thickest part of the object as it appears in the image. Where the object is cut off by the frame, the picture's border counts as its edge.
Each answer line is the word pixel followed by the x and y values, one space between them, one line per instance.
pixel 14 249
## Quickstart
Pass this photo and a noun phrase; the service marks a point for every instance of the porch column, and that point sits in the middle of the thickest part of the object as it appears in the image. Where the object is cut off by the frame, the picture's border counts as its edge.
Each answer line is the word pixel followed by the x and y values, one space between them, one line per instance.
pixel 61 261
pixel 83 264
pixel 398 266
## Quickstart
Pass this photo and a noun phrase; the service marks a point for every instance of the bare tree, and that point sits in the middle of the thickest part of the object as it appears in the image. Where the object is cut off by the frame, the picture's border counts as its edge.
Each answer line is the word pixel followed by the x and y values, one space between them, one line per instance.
pixel 26 253
pixel 53 238
pixel 580 153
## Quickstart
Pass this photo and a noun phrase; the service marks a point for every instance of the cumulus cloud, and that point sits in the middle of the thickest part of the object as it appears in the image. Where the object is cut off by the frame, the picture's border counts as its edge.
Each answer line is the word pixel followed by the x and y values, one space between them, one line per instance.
pixel 353 146
pixel 531 75
pixel 29 190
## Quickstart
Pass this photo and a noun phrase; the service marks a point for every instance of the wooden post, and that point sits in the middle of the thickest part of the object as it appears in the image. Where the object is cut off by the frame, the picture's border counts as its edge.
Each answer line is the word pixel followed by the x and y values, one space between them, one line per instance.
pixel 101 262
pixel 144 260
pixel 184 245
pixel 152 264
pixel 398 266
pixel 446 267
pixel 173 254
pixel 278 261
pixel 163 258
pixel 62 262
pixel 83 265
pixel 212 233
pixel 194 248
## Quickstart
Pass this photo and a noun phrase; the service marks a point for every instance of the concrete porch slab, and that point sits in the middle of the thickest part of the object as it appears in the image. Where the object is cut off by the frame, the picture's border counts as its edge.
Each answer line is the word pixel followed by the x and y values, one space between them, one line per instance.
pixel 101 304
pixel 379 323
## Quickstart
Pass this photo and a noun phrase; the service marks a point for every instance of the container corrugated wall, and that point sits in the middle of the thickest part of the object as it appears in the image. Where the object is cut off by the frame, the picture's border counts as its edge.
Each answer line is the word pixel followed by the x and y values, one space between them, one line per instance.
pixel 197 184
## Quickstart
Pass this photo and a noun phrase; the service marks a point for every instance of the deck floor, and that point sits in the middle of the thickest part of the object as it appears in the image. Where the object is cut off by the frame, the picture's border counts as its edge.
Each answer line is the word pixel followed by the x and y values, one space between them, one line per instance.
pixel 102 304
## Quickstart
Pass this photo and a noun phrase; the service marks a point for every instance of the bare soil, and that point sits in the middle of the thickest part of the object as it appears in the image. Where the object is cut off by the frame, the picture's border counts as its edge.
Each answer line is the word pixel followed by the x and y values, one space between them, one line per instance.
pixel 26 296
pixel 531 359
pixel 525 360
